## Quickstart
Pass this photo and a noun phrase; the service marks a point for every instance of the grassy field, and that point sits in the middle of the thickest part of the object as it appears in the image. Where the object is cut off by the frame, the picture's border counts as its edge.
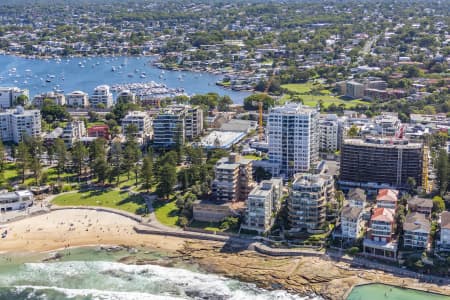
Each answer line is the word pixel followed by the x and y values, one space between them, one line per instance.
pixel 303 90
pixel 210 226
pixel 300 88
pixel 253 157
pixel 166 212
pixel 112 199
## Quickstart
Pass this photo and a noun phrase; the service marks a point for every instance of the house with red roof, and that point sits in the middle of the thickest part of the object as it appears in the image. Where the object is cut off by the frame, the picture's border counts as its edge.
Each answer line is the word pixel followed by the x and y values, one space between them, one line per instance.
pixel 380 241
pixel 387 198
pixel 99 131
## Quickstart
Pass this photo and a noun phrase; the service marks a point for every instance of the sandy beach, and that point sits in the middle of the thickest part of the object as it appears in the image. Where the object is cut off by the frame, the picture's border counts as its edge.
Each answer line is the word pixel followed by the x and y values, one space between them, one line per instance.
pixel 73 228
pixel 304 275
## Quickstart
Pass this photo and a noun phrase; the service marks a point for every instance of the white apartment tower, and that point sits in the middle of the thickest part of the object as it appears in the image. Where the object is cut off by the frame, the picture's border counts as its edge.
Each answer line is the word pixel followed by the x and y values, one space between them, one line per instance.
pixel 141 120
pixel 293 139
pixel 77 99
pixel 102 95
pixel 9 95
pixel 328 133
pixel 17 123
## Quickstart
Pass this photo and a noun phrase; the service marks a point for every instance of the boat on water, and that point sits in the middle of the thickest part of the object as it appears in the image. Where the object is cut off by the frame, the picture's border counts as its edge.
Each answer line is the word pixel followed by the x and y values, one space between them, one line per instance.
pixel 113 69
pixel 130 75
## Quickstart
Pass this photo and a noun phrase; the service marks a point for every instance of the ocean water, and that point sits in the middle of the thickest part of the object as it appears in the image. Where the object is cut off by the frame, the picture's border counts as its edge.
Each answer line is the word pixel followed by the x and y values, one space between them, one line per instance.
pixel 103 279
pixel 85 73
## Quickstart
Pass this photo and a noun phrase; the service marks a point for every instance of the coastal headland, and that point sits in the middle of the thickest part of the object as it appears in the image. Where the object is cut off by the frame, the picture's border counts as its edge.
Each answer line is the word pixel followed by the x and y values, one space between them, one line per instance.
pixel 62 229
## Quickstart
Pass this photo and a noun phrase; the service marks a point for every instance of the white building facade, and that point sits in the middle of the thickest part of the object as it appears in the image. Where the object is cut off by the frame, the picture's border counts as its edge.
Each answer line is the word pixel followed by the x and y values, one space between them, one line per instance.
pixel 328 133
pixel 293 139
pixel 17 123
pixel 262 203
pixel 9 95
pixel 77 99
pixel 140 119
pixel 102 96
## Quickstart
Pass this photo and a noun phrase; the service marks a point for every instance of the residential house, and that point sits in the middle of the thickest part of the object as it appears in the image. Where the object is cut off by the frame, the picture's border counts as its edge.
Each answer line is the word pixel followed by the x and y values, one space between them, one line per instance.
pixel 351 222
pixel 420 205
pixel 416 230
pixel 387 198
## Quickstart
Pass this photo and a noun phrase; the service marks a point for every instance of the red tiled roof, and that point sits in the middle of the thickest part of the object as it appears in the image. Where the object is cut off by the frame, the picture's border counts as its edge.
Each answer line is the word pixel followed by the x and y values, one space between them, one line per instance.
pixel 387 195
pixel 383 214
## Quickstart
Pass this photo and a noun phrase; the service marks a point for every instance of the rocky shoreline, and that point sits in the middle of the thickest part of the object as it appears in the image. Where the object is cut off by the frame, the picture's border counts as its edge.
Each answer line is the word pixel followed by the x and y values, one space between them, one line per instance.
pixel 300 275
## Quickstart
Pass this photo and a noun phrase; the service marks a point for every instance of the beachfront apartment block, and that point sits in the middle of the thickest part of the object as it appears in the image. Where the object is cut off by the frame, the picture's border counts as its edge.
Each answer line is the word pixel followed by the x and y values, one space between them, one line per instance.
pixel 262 204
pixel 141 120
pixel 17 123
pixel 293 139
pixel 175 124
pixel 416 231
pixel 380 241
pixel 374 162
pixel 444 238
pixel 101 96
pixel 9 95
pixel 233 179
pixel 308 199
pixel 15 200
pixel 55 98
pixel 77 99
pixel 351 222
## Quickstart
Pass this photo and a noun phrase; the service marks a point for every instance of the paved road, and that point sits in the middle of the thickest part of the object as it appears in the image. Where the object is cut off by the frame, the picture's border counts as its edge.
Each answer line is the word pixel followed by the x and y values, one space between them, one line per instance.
pixel 368 45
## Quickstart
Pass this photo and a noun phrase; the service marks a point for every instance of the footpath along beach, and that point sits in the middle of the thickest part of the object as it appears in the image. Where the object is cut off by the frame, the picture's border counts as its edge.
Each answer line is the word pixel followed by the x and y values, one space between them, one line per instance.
pixel 60 229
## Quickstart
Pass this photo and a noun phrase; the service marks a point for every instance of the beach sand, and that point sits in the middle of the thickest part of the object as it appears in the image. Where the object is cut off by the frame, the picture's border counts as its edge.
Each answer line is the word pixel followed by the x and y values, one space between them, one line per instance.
pixel 304 275
pixel 73 228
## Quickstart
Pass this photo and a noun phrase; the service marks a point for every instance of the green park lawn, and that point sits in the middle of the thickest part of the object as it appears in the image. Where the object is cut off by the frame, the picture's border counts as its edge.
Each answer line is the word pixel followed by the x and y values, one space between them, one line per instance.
pixel 166 212
pixel 299 88
pixel 253 157
pixel 303 90
pixel 113 199
pixel 210 226
pixel 313 100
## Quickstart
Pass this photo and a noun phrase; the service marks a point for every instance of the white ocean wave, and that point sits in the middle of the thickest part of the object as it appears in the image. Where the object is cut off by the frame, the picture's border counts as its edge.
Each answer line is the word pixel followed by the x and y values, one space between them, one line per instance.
pixel 112 280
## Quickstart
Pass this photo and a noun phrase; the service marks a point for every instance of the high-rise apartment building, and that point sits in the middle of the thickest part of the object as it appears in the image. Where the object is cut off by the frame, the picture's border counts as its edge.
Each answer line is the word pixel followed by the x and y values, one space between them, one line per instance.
pixel 233 178
pixel 141 120
pixel 17 123
pixel 9 95
pixel 262 203
pixel 102 96
pixel 293 139
pixel 329 133
pixel 176 124
pixel 374 163
pixel 77 99
pixel 307 203
pixel 56 98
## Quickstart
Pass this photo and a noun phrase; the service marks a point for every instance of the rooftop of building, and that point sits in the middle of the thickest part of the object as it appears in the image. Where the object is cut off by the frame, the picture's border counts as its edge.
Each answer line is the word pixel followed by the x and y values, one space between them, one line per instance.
pixel 416 222
pixel 383 214
pixel 423 202
pixel 357 194
pixel 310 180
pixel 387 195
pixel 292 109
pixel 77 93
pixel 445 220
pixel 352 213
pixel 381 142
pixel 221 139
